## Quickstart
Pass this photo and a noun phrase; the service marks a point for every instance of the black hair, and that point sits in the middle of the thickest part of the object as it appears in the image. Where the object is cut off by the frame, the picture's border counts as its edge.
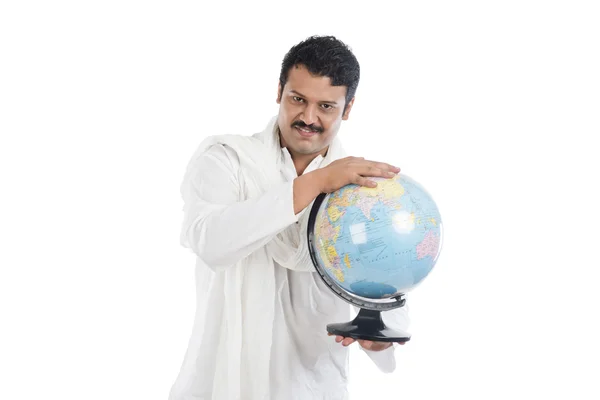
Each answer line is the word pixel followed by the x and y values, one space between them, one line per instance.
pixel 324 56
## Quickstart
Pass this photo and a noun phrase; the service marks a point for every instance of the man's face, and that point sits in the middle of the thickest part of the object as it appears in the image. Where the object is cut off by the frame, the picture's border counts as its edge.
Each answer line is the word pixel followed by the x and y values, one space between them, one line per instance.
pixel 310 112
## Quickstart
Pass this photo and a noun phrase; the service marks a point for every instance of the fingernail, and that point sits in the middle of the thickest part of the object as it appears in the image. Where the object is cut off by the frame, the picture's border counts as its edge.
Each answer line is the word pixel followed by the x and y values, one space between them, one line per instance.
pixel 390 173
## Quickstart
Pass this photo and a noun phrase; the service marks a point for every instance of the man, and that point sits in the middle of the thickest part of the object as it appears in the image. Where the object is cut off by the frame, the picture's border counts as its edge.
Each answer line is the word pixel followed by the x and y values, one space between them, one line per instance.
pixel 260 326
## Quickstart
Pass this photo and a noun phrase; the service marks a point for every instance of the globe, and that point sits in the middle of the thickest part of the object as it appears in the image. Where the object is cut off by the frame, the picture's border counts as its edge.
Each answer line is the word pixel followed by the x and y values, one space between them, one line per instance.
pixel 373 245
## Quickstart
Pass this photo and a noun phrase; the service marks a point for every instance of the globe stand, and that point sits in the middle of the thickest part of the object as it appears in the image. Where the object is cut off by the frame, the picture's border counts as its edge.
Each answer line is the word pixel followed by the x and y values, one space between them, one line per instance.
pixel 368 325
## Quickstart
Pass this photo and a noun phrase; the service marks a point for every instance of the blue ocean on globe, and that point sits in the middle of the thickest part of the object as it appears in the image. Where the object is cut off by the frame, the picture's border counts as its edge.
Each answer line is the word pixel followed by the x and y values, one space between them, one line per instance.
pixel 378 242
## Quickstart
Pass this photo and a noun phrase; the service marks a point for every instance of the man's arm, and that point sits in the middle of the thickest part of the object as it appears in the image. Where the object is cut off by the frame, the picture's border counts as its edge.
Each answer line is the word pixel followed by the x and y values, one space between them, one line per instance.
pixel 221 229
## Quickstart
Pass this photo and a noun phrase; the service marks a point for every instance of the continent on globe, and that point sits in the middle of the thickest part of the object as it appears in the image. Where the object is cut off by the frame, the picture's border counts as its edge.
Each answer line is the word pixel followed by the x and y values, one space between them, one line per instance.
pixel 347 261
pixel 334 213
pixel 428 246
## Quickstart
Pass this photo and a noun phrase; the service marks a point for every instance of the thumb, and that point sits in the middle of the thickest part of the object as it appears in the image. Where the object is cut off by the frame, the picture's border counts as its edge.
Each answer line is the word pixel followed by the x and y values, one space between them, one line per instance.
pixel 367 344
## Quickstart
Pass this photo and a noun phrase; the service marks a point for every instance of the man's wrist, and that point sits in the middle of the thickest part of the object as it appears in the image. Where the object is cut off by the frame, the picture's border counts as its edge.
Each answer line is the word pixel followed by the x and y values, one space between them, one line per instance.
pixel 306 188
pixel 317 178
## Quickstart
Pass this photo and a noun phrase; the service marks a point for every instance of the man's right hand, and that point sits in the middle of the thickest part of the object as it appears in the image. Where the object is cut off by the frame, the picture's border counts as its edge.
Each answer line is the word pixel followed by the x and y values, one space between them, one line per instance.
pixel 354 170
pixel 336 175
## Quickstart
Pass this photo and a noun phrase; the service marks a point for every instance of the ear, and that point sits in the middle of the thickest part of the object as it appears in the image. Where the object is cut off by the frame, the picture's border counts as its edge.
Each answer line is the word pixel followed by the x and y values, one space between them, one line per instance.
pixel 279 93
pixel 348 108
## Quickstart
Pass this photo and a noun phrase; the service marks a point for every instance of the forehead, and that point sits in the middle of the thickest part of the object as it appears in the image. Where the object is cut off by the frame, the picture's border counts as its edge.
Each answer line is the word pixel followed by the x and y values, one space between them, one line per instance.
pixel 315 87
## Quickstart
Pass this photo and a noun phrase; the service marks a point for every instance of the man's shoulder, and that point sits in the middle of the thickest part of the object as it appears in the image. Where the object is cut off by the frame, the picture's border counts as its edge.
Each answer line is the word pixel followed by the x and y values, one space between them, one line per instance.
pixel 229 145
pixel 223 144
pixel 223 154
pixel 227 148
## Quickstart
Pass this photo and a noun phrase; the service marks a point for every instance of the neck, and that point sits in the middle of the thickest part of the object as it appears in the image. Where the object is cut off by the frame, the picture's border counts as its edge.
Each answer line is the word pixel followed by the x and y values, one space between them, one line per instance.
pixel 301 161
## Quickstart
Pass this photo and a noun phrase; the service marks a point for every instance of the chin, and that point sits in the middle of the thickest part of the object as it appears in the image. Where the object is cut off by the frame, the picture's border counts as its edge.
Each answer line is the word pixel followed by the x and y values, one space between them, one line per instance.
pixel 309 150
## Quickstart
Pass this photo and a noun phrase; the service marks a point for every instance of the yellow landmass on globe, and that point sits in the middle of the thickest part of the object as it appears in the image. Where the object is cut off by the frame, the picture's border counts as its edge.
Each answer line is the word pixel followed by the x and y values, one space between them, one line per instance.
pixel 338 274
pixel 433 221
pixel 388 189
pixel 391 189
pixel 331 253
pixel 342 200
pixel 347 261
pixel 334 213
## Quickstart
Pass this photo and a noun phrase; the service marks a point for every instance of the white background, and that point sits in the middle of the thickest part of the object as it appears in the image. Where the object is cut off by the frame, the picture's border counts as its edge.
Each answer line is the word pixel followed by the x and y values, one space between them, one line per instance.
pixel 492 106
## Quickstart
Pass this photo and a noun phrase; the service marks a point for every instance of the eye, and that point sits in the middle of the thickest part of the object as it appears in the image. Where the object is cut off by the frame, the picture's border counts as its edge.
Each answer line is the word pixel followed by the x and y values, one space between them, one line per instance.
pixel 298 99
pixel 327 106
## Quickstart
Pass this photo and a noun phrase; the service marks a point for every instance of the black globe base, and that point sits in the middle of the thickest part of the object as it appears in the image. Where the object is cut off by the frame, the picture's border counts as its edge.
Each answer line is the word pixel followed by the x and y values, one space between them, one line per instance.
pixel 368 325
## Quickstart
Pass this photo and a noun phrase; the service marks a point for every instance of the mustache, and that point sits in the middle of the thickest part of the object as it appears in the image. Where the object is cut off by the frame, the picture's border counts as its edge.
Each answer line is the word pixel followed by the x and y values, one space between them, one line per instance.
pixel 301 124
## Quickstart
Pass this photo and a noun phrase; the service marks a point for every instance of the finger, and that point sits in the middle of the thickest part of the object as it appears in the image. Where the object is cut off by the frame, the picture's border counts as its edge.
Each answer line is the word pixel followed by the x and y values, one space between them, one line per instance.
pixel 362 181
pixel 369 169
pixel 372 171
pixel 347 341
pixel 384 166
pixel 339 338
pixel 389 167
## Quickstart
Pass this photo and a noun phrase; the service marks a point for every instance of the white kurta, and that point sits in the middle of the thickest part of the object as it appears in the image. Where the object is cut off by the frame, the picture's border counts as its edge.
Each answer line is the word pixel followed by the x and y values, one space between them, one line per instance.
pixel 305 363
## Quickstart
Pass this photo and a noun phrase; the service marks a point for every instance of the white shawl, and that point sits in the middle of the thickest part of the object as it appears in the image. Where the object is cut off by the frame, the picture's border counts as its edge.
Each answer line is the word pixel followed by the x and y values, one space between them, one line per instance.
pixel 249 285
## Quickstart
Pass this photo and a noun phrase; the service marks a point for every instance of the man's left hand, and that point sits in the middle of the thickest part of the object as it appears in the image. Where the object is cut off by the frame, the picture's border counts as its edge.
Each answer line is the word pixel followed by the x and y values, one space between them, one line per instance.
pixel 365 344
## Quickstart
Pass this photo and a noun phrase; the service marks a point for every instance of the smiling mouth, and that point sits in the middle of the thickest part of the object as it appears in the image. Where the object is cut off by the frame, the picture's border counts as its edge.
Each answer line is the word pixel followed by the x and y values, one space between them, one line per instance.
pixel 306 132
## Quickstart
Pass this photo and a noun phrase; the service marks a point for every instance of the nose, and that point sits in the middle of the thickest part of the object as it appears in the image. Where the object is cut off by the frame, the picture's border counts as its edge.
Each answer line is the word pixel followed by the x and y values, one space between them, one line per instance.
pixel 309 116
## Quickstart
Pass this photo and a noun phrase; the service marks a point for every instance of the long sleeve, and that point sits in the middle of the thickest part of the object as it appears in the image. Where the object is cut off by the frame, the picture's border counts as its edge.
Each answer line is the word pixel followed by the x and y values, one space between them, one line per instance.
pixel 385 360
pixel 221 229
